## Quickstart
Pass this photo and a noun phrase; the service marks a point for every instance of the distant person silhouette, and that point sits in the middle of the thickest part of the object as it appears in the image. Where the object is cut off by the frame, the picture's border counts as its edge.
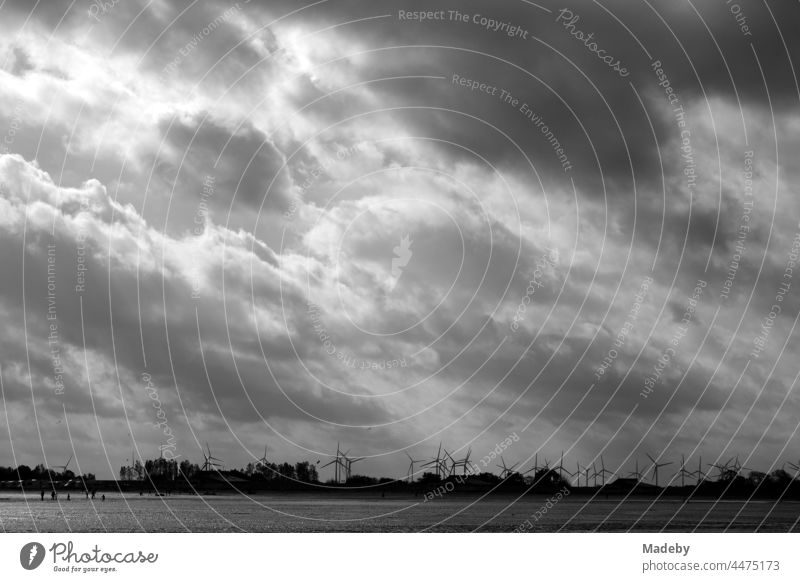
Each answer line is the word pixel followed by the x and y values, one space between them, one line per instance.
pixel 87 493
pixel 93 492
pixel 68 499
pixel 52 495
pixel 104 496
pixel 42 494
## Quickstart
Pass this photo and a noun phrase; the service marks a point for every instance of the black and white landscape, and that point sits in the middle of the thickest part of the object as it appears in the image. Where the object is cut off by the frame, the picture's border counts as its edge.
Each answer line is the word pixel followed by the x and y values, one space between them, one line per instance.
pixel 399 266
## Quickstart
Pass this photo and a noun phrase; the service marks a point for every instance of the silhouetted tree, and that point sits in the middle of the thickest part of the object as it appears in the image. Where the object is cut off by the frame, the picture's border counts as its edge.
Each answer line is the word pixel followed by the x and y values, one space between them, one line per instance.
pixel 286 470
pixel 188 469
pixel 306 472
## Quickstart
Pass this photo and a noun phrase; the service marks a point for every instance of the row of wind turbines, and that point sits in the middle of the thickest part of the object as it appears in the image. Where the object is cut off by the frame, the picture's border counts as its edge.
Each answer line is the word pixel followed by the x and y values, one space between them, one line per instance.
pixel 342 463
pixel 445 465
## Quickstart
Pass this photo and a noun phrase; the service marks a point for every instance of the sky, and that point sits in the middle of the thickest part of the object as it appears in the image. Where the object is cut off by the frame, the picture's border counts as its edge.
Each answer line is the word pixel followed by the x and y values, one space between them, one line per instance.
pixel 394 224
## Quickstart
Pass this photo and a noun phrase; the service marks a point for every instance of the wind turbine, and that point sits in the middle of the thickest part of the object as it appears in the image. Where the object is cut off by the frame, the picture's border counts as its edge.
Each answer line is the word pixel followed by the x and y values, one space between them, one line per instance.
pixel 449 471
pixel 586 474
pixel 603 471
pixel 535 468
pixel 63 467
pixel 337 464
pixel 507 471
pixel 348 464
pixel 724 470
pixel 411 467
pixel 636 473
pixel 560 467
pixel 571 474
pixel 656 465
pixel 211 463
pixel 683 472
pixel 463 463
pixel 263 460
pixel 437 462
pixel 700 474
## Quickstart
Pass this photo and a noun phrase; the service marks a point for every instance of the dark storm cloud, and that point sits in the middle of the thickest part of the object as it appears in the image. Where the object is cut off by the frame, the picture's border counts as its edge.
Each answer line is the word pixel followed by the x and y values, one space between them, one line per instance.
pixel 691 60
pixel 241 161
pixel 120 343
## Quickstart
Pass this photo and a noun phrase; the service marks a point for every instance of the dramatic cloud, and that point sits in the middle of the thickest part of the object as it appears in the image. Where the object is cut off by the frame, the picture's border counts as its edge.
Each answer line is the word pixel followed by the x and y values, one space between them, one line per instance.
pixel 341 223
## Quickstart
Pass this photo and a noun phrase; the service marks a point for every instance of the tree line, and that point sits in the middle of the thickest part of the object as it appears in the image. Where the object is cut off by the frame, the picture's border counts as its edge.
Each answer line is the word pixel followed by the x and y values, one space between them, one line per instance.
pixel 170 470
pixel 40 472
